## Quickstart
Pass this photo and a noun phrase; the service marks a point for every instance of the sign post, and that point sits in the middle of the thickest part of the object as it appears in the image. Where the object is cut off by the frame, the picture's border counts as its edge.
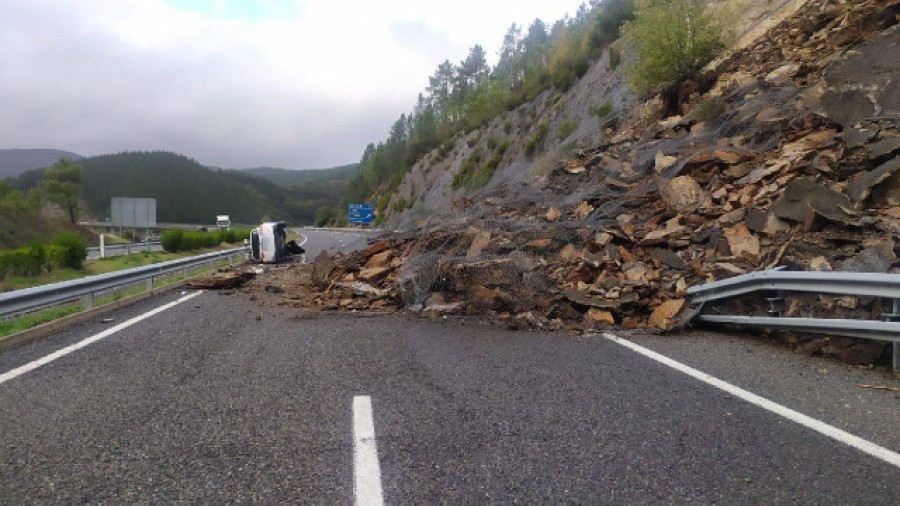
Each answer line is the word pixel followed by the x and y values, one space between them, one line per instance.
pixel 360 214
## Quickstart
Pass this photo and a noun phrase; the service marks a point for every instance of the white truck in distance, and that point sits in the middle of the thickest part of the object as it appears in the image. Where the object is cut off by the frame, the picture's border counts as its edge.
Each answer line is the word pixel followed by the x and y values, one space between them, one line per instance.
pixel 223 222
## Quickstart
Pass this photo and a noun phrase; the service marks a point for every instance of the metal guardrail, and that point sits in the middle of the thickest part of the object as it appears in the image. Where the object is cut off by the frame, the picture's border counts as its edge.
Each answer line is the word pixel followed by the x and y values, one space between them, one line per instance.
pixel 118 249
pixel 29 299
pixel 864 329
pixel 778 282
pixel 860 284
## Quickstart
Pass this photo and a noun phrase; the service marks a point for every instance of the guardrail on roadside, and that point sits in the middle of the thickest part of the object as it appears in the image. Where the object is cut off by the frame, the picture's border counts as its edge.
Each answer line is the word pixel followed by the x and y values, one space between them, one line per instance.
pixel 779 282
pixel 29 299
pixel 118 249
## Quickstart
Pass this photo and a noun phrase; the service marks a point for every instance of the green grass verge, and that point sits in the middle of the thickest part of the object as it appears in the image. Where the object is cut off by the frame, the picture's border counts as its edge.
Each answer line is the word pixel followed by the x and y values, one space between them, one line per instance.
pixel 14 325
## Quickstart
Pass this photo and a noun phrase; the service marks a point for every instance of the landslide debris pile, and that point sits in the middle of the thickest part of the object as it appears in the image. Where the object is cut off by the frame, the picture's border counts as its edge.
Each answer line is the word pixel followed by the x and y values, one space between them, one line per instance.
pixel 787 153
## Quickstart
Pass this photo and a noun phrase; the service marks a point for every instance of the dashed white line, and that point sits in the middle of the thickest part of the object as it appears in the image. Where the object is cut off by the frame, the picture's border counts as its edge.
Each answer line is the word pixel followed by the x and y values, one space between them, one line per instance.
pixel 15 373
pixel 366 471
pixel 845 437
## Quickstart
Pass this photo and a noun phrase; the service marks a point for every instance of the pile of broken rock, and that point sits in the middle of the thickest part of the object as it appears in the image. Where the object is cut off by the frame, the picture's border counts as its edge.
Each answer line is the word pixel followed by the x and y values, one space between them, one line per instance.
pixel 761 166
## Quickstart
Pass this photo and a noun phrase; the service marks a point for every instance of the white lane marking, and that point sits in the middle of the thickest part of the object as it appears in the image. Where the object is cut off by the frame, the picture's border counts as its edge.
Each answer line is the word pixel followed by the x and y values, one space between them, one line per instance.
pixel 15 373
pixel 303 255
pixel 845 437
pixel 366 473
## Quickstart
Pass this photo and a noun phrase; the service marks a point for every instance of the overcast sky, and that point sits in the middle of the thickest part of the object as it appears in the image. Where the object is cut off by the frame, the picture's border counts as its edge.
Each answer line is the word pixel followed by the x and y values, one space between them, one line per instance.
pixel 233 83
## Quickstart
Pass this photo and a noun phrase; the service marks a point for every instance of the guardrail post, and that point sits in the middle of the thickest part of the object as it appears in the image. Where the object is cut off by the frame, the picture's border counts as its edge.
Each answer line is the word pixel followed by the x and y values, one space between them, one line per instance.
pixel 776 303
pixel 185 272
pixel 102 246
pixel 150 284
pixel 89 300
pixel 894 316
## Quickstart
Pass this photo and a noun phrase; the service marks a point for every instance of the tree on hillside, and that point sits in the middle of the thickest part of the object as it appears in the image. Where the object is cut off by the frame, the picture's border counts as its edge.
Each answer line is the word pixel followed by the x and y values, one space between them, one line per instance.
pixel 475 66
pixel 512 45
pixel 609 18
pixel 537 36
pixel 470 74
pixel 62 186
pixel 673 40
pixel 440 85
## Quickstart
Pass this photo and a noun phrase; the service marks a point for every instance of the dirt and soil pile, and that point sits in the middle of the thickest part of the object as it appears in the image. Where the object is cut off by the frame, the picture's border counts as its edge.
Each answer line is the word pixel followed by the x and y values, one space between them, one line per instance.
pixel 787 153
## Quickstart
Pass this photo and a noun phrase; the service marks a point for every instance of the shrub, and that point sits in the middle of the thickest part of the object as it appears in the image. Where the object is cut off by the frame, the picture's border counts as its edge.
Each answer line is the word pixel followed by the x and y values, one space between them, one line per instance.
pixel 567 127
pixel 466 169
pixel 601 111
pixel 401 204
pixel 171 240
pixel 189 240
pixel 472 176
pixel 536 139
pixel 444 150
pixel 382 202
pixel 486 172
pixel 325 215
pixel 673 39
pixel 60 256
pixel 31 260
pixel 615 59
pixel 74 249
pixel 34 259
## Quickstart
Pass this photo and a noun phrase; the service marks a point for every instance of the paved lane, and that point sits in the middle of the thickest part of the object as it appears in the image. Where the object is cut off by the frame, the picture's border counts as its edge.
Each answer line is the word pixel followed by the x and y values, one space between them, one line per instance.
pixel 219 399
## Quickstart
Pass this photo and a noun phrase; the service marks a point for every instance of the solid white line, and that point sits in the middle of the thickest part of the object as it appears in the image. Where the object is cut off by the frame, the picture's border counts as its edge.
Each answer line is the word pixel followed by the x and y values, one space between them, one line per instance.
pixel 15 373
pixel 366 473
pixel 863 445
pixel 305 238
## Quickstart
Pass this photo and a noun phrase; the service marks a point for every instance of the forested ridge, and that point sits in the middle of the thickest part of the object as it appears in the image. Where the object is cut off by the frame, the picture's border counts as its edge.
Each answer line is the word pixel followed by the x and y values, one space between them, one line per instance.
pixel 188 192
pixel 290 177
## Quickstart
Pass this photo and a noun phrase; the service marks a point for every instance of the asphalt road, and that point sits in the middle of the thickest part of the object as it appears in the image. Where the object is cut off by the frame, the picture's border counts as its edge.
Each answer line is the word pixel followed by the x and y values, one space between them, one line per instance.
pixel 224 399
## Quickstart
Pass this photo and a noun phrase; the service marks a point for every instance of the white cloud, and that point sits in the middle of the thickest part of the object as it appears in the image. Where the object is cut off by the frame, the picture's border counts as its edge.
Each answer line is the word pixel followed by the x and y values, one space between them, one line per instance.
pixel 298 84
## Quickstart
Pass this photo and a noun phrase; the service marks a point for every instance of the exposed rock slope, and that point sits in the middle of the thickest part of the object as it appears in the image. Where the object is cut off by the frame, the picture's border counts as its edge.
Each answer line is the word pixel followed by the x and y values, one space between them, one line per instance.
pixel 787 153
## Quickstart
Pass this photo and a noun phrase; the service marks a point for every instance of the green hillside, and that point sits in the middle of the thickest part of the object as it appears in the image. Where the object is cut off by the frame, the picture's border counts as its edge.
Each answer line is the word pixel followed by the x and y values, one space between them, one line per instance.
pixel 187 192
pixel 288 177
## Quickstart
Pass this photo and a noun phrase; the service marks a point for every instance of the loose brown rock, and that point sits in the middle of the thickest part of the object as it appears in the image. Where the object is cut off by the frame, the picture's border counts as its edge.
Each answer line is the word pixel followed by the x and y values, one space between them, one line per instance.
pixel 682 194
pixel 663 317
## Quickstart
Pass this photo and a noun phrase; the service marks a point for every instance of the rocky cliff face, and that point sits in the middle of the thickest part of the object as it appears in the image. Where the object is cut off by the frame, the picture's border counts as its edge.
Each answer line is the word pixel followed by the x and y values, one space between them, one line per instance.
pixel 786 153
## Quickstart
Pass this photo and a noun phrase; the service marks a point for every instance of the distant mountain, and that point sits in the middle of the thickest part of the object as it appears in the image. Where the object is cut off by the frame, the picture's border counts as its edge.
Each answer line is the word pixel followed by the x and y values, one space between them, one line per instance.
pixel 16 161
pixel 187 192
pixel 291 177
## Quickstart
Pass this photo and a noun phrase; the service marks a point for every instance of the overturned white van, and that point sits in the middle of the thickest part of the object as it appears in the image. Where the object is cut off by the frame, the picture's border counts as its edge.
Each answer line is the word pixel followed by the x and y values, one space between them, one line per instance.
pixel 267 242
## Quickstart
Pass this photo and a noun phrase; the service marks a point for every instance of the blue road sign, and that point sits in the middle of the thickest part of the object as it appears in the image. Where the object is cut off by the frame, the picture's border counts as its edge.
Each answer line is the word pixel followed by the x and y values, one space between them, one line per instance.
pixel 360 214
